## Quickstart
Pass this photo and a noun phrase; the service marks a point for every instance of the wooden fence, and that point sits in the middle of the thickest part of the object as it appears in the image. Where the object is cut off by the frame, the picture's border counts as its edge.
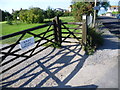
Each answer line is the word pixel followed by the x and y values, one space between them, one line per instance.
pixel 11 52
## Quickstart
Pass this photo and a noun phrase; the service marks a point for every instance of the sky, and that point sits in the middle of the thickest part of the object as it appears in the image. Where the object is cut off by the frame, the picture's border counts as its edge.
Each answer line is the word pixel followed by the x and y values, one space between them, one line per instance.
pixel 8 5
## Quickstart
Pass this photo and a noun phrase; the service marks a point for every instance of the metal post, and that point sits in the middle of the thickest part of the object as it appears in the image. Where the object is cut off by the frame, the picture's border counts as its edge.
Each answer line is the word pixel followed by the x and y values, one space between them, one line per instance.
pixel 84 30
pixel 94 14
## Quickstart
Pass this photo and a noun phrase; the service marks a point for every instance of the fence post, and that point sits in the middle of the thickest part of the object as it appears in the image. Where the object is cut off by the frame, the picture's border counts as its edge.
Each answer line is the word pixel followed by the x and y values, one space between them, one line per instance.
pixel 84 31
pixel 57 30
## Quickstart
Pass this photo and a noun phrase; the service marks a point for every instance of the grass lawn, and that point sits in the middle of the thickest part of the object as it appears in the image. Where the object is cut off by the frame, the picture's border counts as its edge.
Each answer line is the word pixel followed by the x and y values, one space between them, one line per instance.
pixel 9 29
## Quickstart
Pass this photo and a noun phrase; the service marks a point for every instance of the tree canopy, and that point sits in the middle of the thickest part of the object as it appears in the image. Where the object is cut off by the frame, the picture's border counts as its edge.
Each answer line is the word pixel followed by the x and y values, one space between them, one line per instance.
pixel 81 8
pixel 33 15
pixel 5 15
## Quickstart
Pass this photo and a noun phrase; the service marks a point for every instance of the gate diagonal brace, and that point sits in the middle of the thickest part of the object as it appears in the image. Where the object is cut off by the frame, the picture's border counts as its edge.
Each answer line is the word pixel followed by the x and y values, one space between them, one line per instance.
pixel 71 33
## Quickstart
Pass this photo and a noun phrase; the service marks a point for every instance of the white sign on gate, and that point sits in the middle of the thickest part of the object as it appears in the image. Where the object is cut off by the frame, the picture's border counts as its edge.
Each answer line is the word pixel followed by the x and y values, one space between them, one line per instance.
pixel 27 42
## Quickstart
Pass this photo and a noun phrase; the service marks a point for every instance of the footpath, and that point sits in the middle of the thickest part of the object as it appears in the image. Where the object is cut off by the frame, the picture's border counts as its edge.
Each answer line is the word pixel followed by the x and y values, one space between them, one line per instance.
pixel 101 69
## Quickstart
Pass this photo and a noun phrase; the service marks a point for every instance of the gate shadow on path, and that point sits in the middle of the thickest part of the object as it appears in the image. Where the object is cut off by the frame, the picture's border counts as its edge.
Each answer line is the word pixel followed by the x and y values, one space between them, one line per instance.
pixel 66 59
pixel 110 42
pixel 112 24
pixel 114 27
pixel 86 87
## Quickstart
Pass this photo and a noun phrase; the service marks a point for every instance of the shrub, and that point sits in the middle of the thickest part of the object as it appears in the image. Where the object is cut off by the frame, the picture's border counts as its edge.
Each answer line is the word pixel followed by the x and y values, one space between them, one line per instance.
pixel 94 40
pixel 59 13
pixel 50 13
pixel 34 15
pixel 15 14
pixel 5 16
pixel 23 15
pixel 9 22
pixel 67 14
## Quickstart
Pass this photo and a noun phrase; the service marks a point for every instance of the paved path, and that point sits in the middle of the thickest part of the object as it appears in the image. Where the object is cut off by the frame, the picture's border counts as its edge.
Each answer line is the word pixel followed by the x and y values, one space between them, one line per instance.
pixel 101 69
pixel 112 24
pixel 68 67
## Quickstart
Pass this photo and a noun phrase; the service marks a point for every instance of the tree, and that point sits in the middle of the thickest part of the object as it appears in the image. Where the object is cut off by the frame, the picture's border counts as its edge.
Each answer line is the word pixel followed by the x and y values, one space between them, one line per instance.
pixel 100 3
pixel 3 15
pixel 33 15
pixel 50 13
pixel 105 5
pixel 23 15
pixel 15 14
pixel 81 8
pixel 45 14
pixel 58 13
pixel 119 6
pixel 6 16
